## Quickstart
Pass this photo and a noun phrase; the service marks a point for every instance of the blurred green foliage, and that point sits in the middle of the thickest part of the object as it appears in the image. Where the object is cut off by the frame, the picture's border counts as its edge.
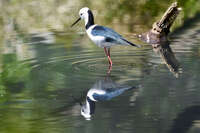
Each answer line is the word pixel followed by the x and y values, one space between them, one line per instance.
pixel 58 15
pixel 14 73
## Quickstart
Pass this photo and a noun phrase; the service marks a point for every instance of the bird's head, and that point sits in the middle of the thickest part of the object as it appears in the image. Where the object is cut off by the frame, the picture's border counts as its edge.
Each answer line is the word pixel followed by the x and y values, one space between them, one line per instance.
pixel 84 14
pixel 85 112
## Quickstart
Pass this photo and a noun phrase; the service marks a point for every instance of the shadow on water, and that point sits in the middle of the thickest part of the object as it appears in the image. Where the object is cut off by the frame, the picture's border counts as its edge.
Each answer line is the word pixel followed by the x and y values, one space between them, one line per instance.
pixel 187 119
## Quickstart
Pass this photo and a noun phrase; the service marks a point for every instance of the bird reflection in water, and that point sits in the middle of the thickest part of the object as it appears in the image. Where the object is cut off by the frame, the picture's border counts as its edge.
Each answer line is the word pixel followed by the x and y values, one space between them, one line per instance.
pixel 102 90
pixel 167 55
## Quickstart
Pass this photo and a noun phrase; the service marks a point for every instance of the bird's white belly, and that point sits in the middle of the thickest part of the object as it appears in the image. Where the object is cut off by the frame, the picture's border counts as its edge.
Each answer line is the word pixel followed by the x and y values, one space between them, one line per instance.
pixel 98 40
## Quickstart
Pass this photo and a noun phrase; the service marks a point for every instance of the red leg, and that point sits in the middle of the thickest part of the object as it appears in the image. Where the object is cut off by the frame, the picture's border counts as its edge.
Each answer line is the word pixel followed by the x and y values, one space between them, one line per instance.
pixel 109 59
pixel 108 55
pixel 105 50
pixel 109 52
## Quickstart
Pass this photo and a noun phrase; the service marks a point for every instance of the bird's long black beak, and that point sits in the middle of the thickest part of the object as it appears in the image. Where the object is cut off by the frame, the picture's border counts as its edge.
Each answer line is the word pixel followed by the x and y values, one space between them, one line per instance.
pixel 76 22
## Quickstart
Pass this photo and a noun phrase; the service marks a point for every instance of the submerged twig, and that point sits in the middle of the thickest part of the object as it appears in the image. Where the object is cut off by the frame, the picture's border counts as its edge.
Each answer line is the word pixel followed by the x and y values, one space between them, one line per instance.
pixel 168 57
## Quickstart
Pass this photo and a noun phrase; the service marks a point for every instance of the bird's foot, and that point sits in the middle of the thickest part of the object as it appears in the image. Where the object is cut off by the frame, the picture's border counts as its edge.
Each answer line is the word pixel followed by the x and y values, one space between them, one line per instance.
pixel 110 63
pixel 109 69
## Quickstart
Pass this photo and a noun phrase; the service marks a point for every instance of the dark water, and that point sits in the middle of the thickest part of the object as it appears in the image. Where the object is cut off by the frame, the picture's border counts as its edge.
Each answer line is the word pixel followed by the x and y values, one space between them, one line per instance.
pixel 47 75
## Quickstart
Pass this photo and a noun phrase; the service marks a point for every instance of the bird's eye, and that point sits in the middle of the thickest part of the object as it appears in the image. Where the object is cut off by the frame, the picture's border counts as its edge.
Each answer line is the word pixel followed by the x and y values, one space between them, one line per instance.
pixel 81 14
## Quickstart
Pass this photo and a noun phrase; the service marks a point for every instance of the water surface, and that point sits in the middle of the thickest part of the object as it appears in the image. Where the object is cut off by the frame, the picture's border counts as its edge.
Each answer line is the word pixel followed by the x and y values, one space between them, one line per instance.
pixel 46 75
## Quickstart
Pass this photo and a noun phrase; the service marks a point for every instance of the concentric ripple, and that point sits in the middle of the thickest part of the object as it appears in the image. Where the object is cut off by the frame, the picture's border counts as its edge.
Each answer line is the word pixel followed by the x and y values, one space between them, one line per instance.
pixel 93 62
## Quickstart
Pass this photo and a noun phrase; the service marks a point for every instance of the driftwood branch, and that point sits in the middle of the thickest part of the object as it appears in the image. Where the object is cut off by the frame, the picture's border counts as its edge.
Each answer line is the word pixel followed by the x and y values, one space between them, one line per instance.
pixel 161 28
pixel 157 37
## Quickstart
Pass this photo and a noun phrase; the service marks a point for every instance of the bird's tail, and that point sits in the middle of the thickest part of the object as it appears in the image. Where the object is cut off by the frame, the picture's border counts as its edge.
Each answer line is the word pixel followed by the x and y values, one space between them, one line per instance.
pixel 131 43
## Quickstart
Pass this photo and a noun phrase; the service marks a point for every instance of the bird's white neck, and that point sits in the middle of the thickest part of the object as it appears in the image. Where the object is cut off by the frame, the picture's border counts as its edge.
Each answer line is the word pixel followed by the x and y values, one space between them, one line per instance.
pixel 86 19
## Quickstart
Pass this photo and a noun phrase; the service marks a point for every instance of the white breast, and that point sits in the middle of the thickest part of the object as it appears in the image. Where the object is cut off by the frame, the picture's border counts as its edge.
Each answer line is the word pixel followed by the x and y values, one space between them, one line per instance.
pixel 98 40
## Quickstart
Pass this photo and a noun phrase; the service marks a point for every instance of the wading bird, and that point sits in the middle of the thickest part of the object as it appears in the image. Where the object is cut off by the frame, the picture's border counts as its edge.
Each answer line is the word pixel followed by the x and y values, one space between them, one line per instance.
pixel 102 36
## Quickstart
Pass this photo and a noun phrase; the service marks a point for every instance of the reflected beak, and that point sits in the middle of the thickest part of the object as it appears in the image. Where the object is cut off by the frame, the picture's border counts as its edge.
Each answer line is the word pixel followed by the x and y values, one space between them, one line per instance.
pixel 76 22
